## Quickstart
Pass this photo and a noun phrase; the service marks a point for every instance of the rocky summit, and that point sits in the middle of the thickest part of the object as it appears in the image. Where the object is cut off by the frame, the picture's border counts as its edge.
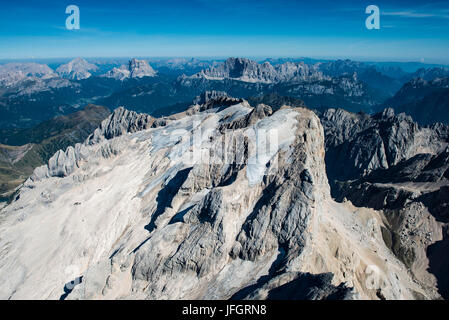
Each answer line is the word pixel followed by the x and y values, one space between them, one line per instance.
pixel 222 201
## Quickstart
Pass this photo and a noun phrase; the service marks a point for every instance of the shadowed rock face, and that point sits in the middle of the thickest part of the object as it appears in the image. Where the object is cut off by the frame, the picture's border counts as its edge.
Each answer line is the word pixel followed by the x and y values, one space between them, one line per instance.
pixel 389 163
pixel 221 201
pixel 310 287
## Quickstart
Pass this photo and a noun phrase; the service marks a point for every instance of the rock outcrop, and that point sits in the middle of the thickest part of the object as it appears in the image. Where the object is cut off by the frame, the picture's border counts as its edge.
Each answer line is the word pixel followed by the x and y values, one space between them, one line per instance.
pixel 414 198
pixel 208 96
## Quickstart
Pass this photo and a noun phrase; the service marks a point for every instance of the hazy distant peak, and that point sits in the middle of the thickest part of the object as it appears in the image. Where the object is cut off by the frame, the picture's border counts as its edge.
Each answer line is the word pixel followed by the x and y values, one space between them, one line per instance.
pixel 76 69
pixel 134 69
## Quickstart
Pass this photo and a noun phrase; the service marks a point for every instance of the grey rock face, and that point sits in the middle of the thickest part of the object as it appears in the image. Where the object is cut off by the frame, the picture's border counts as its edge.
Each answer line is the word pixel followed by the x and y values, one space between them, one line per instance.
pixel 20 79
pixel 342 67
pixel 140 68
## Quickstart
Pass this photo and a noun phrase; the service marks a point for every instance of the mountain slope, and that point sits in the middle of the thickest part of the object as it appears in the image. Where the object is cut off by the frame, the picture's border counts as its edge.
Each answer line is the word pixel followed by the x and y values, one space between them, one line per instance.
pixel 193 206
pixel 430 74
pixel 157 96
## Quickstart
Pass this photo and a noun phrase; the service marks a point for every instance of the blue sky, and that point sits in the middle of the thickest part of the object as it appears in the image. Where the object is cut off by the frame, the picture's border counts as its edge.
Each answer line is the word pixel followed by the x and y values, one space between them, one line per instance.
pixel 410 30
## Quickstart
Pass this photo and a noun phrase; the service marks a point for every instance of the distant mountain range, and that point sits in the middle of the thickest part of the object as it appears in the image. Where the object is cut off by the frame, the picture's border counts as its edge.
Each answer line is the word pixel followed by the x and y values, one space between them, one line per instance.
pixel 31 92
pixel 250 71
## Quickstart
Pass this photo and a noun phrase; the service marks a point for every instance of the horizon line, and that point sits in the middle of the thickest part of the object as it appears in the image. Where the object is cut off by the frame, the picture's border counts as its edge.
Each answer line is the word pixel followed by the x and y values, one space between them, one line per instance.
pixel 330 58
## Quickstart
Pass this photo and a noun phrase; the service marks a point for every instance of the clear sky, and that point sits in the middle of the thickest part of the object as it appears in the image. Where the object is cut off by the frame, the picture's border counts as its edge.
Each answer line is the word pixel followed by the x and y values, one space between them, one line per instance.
pixel 409 30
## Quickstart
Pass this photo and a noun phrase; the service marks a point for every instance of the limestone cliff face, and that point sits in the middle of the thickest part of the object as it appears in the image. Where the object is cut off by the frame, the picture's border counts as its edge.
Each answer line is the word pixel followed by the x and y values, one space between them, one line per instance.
pixel 222 201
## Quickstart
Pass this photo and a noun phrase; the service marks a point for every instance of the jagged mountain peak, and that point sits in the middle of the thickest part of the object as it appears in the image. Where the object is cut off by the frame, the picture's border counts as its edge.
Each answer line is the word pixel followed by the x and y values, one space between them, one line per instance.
pixel 140 68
